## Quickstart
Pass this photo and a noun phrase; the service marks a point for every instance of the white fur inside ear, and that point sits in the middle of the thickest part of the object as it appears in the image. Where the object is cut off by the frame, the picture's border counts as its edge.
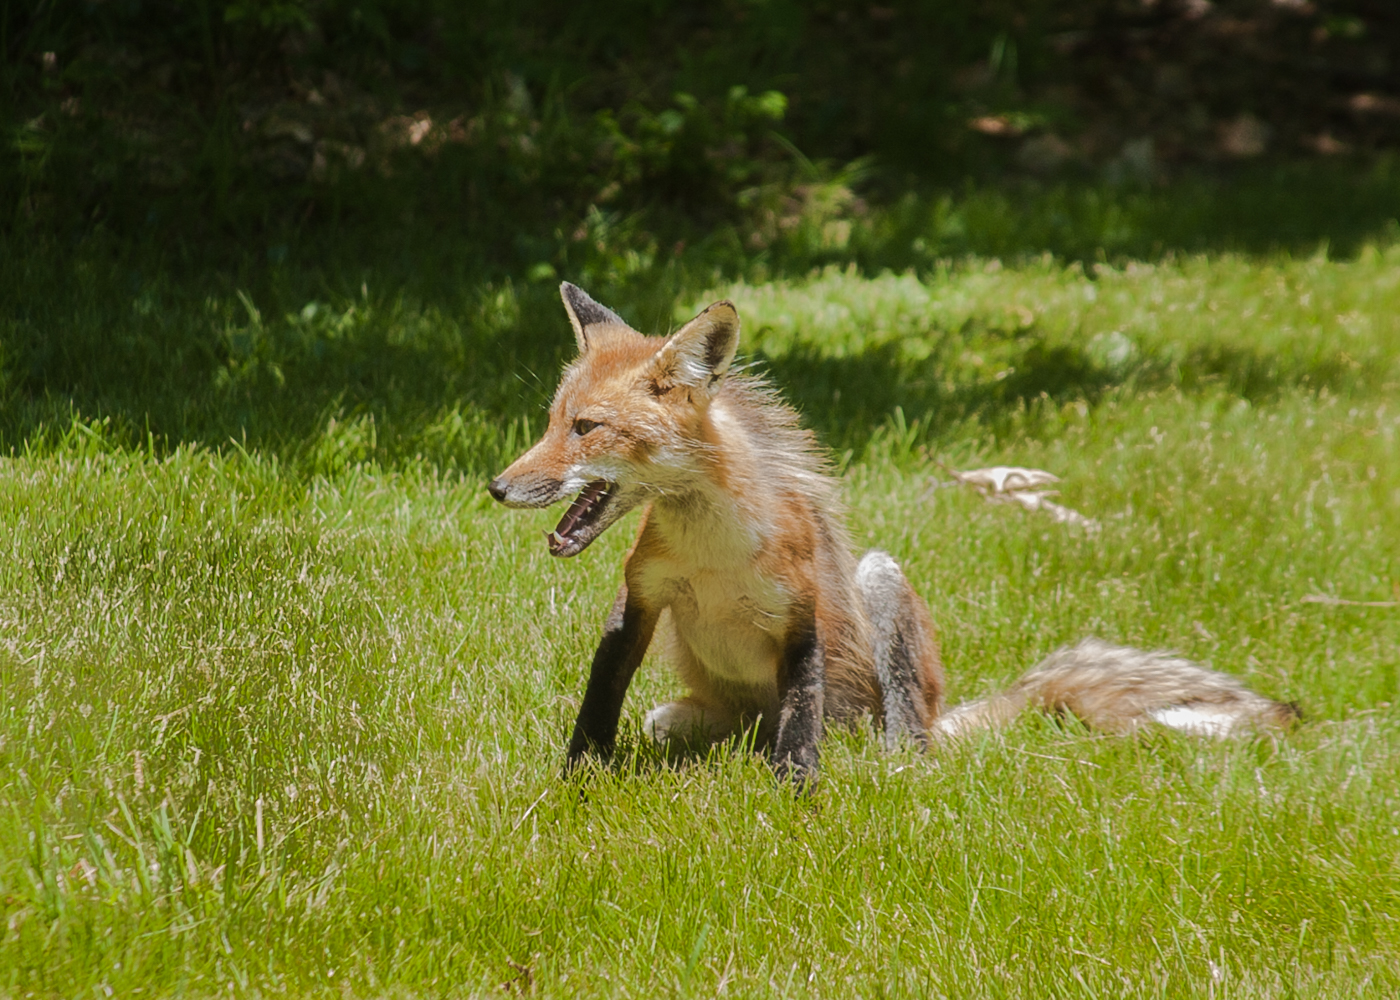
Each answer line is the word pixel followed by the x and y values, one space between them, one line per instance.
pixel 700 352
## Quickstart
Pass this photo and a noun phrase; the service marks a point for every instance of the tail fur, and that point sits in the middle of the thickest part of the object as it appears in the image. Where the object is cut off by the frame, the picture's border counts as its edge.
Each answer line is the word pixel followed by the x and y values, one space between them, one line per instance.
pixel 1120 690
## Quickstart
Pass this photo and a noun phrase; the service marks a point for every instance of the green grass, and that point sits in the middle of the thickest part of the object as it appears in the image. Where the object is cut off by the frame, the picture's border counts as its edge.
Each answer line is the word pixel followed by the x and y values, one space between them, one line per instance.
pixel 287 715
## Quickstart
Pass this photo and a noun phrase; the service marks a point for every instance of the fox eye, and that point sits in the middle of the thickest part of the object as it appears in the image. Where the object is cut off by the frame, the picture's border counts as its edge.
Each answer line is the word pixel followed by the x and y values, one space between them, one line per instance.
pixel 582 426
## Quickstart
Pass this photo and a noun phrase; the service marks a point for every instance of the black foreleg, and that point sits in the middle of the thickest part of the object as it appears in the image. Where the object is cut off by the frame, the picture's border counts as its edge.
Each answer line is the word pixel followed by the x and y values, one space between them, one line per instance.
pixel 626 635
pixel 802 699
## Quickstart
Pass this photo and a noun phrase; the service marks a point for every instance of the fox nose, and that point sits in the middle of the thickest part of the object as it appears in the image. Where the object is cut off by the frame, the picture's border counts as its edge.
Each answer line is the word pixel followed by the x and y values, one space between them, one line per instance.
pixel 497 488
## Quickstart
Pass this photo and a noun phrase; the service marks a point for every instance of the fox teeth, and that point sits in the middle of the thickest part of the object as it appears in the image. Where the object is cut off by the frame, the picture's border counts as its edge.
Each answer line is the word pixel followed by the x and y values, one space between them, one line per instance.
pixel 554 538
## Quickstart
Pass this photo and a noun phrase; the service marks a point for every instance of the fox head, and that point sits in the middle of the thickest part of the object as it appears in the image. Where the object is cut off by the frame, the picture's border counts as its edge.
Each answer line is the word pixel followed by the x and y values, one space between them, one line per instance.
pixel 627 423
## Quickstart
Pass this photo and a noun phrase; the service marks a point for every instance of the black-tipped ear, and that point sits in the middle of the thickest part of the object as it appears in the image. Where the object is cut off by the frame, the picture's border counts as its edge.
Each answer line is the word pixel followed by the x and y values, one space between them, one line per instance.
pixel 585 312
pixel 699 353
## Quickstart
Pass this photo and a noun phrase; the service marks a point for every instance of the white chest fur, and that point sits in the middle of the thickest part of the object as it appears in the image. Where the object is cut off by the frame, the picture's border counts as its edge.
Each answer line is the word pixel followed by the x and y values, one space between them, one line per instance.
pixel 729 619
pixel 729 622
pixel 732 628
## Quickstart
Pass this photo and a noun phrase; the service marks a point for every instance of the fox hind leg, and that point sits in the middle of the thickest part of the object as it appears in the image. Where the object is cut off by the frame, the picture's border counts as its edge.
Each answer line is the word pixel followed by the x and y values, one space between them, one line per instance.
pixel 905 648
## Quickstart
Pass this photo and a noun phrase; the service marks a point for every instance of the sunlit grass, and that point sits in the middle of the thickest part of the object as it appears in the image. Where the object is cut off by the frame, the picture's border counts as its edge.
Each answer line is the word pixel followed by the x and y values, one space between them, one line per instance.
pixel 272 722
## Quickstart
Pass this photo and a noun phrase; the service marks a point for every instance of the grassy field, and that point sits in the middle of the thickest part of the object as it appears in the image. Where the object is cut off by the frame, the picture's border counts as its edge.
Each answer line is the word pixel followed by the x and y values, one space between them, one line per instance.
pixel 285 715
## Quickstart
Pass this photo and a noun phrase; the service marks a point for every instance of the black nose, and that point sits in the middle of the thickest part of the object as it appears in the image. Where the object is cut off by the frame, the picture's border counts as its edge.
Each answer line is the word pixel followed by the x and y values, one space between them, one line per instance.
pixel 497 488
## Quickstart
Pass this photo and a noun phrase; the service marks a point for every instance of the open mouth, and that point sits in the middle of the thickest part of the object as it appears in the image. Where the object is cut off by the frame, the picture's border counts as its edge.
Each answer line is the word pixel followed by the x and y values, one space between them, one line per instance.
pixel 582 522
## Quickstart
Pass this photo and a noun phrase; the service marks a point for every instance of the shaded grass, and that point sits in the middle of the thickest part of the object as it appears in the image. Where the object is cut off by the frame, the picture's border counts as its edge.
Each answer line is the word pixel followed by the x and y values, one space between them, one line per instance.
pixel 273 725
pixel 978 343
pixel 331 364
pixel 1288 207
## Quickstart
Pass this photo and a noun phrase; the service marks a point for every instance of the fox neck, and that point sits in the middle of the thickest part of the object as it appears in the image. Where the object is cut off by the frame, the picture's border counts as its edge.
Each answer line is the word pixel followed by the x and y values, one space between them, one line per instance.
pixel 712 514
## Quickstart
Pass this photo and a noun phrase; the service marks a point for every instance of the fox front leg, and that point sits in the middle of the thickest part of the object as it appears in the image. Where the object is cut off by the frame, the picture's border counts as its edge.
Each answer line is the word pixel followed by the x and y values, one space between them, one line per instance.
pixel 626 635
pixel 801 703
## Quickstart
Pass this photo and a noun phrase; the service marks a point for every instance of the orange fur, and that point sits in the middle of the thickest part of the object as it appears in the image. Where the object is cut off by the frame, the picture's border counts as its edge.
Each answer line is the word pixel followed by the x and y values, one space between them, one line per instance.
pixel 743 556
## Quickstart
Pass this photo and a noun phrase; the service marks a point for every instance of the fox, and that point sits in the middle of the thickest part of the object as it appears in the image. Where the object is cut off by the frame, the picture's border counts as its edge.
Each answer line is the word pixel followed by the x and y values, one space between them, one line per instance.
pixel 743 563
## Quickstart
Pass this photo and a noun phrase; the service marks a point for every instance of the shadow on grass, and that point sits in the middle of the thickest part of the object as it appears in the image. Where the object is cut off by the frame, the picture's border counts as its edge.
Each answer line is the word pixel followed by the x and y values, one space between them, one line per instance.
pixel 1292 208
pixel 845 399
pixel 467 394
pixel 638 755
pixel 396 346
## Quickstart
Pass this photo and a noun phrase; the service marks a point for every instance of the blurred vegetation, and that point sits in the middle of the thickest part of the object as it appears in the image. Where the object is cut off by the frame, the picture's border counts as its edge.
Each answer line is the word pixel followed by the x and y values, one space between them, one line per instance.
pixel 529 129
pixel 259 219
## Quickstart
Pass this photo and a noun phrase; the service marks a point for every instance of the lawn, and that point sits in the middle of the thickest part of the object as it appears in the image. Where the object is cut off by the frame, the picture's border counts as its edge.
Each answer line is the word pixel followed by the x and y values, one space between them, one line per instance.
pixel 284 696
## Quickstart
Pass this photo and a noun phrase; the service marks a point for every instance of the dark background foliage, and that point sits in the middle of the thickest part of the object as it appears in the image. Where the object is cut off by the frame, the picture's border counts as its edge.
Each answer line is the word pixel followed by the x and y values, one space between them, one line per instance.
pixel 506 121
pixel 225 219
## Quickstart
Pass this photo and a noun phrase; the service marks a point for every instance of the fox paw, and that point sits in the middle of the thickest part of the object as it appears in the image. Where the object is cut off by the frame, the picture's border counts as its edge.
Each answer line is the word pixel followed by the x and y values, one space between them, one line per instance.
pixel 688 722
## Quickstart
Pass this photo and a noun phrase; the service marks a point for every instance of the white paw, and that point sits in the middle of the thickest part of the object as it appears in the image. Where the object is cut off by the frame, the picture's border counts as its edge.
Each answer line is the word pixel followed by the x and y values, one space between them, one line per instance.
pixel 686 722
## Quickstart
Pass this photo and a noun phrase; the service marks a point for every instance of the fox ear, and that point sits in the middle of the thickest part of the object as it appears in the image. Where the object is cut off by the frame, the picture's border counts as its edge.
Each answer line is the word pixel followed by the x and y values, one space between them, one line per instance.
pixel 585 312
pixel 699 353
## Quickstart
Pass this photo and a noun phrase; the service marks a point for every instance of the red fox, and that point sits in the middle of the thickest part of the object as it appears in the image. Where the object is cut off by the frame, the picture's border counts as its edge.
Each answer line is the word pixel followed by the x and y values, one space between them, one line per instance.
pixel 742 542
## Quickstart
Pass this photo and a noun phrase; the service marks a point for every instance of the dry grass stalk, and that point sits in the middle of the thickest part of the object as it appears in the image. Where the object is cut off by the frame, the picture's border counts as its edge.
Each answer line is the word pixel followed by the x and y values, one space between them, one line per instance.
pixel 1028 488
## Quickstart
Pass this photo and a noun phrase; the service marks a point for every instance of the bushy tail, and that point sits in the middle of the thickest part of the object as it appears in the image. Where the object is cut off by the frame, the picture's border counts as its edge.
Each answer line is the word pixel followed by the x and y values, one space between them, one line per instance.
pixel 1119 690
